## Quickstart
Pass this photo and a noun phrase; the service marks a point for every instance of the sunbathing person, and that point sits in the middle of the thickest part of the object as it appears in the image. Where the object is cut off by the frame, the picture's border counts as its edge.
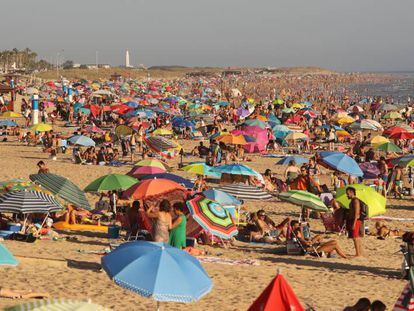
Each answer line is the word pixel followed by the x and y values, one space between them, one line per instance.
pixel 23 294
pixel 315 243
pixel 384 232
pixel 267 230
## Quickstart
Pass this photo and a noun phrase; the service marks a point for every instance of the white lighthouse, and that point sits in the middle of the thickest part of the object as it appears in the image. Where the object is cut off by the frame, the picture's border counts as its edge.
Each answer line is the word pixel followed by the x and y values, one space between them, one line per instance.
pixel 127 64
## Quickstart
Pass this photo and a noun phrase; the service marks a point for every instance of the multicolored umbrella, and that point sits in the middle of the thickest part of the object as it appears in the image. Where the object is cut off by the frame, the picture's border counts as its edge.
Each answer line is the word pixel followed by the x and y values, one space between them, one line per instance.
pixel 151 188
pixel 152 270
pixel 153 163
pixel 370 170
pixel 57 305
pixel 232 139
pixel 378 140
pixel 236 169
pixel 296 136
pixel 10 114
pixel 213 217
pixel 145 170
pixel 111 182
pixel 202 169
pixel 304 199
pixel 178 179
pixel 375 201
pixel 221 197
pixel 63 188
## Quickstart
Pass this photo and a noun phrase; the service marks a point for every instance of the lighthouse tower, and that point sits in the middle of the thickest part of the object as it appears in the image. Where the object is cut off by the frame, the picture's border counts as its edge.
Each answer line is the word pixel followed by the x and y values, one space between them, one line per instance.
pixel 127 64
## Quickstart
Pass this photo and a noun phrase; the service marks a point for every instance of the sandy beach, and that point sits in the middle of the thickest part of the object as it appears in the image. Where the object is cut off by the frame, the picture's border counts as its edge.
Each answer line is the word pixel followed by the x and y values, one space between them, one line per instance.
pixel 59 268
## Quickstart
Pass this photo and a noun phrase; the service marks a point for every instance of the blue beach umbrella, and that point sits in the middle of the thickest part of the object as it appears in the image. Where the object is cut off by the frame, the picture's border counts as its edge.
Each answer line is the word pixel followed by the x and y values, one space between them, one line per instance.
pixel 82 140
pixel 221 197
pixel 7 123
pixel 287 159
pixel 341 162
pixel 6 258
pixel 236 169
pixel 157 270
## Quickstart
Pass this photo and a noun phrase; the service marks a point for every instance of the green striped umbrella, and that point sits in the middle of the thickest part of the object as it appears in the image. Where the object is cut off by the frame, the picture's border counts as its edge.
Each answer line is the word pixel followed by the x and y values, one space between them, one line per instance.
pixel 111 182
pixel 389 147
pixel 63 188
pixel 57 305
pixel 304 199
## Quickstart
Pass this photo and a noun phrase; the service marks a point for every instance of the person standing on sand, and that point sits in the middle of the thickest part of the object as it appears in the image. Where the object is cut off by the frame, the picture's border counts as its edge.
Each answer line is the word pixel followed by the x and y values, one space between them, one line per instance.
pixel 354 225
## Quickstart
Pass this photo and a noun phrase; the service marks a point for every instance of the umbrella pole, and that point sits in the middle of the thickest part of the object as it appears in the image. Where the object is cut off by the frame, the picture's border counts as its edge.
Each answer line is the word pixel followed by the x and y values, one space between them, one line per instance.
pixel 158 306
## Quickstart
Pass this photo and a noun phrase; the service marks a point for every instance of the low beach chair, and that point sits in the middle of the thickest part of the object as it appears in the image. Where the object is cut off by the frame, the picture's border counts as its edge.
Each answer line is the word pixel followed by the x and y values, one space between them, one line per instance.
pixel 331 226
pixel 295 247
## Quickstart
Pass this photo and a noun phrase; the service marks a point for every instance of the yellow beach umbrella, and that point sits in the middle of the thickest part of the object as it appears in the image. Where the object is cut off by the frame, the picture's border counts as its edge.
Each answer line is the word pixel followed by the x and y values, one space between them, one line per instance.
pixel 342 134
pixel 297 106
pixel 161 131
pixel 41 127
pixel 261 118
pixel 341 114
pixel 345 120
pixel 393 115
pixel 153 163
pixel 11 114
pixel 379 140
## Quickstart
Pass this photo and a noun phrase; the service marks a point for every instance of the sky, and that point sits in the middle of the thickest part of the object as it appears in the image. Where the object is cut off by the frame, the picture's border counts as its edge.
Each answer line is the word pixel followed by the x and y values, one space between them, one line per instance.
pixel 343 35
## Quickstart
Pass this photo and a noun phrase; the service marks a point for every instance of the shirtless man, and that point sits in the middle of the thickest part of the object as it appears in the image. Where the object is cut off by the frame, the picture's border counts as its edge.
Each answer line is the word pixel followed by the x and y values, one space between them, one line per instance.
pixel 353 222
pixel 398 181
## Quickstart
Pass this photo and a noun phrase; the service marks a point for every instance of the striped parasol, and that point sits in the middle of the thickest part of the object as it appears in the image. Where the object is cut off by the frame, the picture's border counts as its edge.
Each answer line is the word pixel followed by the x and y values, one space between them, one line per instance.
pixel 27 202
pixel 304 199
pixel 406 300
pixel 245 192
pixel 57 305
pixel 160 143
pixel 63 188
pixel 212 217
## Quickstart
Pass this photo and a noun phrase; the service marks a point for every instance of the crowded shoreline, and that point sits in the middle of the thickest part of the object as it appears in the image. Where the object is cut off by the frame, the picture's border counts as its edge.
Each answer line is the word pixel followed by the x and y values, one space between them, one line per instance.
pixel 273 133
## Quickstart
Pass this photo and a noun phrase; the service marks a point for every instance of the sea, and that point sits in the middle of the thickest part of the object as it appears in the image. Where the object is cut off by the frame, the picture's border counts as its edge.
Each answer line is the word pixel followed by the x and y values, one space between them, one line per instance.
pixel 399 89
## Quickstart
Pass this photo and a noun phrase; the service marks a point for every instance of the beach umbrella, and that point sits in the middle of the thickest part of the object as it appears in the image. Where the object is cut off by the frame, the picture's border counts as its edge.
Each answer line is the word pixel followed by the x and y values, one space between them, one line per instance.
pixel 403 161
pixel 389 147
pixel 406 300
pixel 82 140
pixel 296 136
pixel 245 192
pixel 7 123
pixel 388 107
pixel 375 201
pixel 153 162
pixel 153 270
pixel 162 132
pixel 342 134
pixel 178 179
pixel 221 197
pixel 213 217
pixel 6 257
pixel 341 162
pixel 345 120
pixel 355 108
pixel 94 129
pixel 27 202
pixel 123 130
pixel 151 188
pixel 378 140
pixel 236 169
pixel 103 92
pixel 286 160
pixel 363 125
pixel 304 199
pixel 160 143
pixel 254 122
pixel 20 185
pixel 393 115
pixel 41 127
pixel 145 170
pixel 370 170
pixel 111 182
pixel 232 139
pixel 62 187
pixel 10 114
pixel 57 305
pixel 32 90
pixel 401 134
pixel 202 169
pixel 278 295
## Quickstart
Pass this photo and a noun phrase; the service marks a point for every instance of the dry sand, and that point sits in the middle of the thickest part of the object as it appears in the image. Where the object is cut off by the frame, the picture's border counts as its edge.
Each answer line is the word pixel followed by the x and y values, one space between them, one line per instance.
pixel 325 284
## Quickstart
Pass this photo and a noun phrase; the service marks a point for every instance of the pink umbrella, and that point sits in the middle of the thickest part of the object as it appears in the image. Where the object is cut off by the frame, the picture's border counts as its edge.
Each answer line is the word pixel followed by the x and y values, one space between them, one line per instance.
pixel 48 104
pixel 94 129
pixel 145 170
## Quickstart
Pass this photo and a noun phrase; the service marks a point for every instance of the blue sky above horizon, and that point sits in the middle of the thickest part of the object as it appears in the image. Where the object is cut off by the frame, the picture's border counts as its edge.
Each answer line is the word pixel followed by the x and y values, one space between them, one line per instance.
pixel 351 35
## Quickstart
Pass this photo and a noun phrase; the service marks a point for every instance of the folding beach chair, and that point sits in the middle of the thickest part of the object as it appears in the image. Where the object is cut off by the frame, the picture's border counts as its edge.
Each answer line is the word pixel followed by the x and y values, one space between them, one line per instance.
pixel 295 247
pixel 331 226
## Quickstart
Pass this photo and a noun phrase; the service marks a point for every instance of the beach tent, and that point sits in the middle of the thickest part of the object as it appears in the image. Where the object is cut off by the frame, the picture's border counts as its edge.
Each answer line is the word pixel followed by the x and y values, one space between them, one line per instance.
pixel 158 271
pixel 278 295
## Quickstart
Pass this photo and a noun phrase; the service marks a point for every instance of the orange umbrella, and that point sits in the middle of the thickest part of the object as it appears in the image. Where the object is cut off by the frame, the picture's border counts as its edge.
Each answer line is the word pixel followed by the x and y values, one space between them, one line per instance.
pixel 232 139
pixel 152 187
